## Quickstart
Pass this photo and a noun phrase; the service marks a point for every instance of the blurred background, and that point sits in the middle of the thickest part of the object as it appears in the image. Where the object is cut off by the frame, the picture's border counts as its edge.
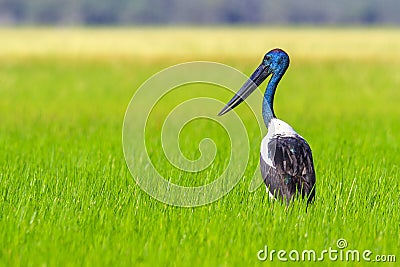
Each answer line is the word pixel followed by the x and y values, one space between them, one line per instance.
pixel 127 12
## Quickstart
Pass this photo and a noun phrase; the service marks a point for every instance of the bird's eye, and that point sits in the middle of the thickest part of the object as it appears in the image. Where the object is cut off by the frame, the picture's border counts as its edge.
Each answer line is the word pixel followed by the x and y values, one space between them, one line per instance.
pixel 267 59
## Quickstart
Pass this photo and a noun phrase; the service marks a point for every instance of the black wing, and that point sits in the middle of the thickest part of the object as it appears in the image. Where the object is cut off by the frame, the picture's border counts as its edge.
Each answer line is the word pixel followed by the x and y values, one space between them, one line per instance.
pixel 294 168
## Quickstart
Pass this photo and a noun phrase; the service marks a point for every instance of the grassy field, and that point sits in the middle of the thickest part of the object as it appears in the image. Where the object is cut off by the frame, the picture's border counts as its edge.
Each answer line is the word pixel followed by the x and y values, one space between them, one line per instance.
pixel 66 194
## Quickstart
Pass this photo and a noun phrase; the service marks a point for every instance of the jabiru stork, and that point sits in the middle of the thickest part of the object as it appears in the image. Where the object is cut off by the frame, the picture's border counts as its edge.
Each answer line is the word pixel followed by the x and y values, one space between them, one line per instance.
pixel 286 160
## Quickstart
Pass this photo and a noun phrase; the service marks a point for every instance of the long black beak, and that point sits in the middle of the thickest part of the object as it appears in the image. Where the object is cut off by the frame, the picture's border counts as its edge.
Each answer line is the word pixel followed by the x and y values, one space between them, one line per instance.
pixel 258 76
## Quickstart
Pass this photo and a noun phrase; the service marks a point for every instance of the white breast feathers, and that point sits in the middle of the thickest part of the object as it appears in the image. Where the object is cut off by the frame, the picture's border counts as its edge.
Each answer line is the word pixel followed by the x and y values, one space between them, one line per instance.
pixel 275 127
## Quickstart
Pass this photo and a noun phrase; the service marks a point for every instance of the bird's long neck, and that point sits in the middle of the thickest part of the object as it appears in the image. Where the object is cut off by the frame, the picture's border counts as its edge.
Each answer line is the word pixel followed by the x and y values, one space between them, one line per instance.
pixel 268 102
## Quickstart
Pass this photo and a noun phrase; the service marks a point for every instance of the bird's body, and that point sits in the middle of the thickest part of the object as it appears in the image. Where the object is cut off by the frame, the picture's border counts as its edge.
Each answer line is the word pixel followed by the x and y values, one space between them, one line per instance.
pixel 286 162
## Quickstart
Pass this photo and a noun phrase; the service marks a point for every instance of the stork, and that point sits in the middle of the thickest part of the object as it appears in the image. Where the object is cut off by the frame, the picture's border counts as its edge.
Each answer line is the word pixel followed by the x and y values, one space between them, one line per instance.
pixel 286 161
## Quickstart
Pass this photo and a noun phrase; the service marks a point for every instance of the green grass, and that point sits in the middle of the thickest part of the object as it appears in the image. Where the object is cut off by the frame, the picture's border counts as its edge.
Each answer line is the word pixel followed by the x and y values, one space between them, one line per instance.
pixel 67 196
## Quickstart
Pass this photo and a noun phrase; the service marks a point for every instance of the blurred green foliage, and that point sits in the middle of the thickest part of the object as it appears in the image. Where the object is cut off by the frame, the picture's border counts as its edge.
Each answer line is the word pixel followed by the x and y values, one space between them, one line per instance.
pixel 198 12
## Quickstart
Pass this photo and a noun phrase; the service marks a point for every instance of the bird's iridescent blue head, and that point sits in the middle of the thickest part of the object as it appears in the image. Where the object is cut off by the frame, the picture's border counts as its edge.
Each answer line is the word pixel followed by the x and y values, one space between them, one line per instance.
pixel 275 62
